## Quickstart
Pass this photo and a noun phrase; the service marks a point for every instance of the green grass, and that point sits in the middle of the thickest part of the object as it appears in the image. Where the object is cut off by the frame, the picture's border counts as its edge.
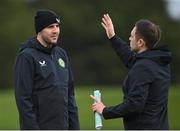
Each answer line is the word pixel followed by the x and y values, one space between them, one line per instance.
pixel 174 108
pixel 8 111
pixel 110 96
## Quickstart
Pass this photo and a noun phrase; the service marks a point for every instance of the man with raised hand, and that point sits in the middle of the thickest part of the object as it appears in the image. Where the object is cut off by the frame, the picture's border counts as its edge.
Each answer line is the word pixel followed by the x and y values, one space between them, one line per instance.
pixel 147 83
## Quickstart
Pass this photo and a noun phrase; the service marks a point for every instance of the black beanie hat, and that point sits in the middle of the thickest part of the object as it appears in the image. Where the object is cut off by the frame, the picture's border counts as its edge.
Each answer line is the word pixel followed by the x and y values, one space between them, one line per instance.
pixel 44 18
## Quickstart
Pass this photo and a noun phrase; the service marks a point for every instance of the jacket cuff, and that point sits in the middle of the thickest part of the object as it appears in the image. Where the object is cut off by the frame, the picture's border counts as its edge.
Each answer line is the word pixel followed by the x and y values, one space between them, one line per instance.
pixel 116 42
pixel 105 113
pixel 114 38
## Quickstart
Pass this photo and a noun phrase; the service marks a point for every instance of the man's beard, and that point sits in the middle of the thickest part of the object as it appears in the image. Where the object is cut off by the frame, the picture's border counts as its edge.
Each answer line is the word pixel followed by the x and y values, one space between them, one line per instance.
pixel 49 42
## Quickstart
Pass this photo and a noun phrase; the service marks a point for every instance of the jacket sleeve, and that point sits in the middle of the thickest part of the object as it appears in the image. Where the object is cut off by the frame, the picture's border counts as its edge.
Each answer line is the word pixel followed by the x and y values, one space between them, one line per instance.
pixel 23 83
pixel 72 107
pixel 123 51
pixel 134 101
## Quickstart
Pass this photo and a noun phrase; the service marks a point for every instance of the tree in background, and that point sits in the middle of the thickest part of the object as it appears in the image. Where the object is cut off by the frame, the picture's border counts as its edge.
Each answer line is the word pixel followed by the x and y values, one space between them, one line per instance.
pixel 82 35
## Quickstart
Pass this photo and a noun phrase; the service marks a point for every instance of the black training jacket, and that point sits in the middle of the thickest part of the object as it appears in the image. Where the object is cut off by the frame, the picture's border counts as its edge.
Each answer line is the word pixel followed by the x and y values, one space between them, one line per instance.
pixel 44 89
pixel 145 88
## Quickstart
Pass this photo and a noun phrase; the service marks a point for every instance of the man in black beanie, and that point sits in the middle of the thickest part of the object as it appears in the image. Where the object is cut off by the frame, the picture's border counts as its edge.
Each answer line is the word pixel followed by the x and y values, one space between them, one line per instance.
pixel 43 80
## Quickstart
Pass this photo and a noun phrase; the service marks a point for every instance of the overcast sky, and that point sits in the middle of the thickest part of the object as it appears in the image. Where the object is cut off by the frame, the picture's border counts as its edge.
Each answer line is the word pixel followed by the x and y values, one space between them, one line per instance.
pixel 173 9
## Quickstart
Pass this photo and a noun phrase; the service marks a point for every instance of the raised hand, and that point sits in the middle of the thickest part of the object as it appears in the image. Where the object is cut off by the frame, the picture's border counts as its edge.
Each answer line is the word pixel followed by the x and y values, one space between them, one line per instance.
pixel 108 25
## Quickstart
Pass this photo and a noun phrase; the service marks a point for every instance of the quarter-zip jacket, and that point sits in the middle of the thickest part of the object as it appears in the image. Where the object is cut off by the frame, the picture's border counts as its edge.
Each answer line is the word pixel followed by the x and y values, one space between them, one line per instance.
pixel 145 88
pixel 44 88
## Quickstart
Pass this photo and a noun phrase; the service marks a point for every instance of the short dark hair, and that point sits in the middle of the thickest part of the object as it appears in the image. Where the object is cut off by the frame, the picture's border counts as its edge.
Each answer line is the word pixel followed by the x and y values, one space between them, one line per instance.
pixel 149 32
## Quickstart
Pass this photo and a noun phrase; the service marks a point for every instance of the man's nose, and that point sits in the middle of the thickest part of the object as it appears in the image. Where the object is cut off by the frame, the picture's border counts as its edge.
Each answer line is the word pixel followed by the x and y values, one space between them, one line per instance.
pixel 55 29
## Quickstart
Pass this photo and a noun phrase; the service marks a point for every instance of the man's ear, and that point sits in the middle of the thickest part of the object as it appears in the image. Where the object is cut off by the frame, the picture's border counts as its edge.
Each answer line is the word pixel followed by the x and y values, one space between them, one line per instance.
pixel 141 43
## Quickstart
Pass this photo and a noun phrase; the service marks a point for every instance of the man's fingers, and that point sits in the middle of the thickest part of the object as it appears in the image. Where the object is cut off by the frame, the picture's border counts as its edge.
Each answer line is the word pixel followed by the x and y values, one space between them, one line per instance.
pixel 93 104
pixel 93 107
pixel 104 21
pixel 94 98
pixel 103 25
pixel 108 17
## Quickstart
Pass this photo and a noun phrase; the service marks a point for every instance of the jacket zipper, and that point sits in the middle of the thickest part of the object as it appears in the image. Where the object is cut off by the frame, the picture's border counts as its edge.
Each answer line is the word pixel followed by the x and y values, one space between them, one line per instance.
pixel 52 57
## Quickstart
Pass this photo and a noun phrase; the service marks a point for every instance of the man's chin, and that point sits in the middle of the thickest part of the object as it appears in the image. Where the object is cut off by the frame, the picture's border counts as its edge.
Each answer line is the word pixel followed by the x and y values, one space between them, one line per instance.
pixel 54 42
pixel 133 50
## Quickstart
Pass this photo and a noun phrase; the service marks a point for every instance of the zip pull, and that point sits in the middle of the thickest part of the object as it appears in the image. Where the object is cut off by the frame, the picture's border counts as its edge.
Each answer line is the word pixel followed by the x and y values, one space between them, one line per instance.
pixel 52 57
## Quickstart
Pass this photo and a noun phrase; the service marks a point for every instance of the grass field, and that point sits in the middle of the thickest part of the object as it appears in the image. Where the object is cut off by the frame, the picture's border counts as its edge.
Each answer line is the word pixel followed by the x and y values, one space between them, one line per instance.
pixel 110 96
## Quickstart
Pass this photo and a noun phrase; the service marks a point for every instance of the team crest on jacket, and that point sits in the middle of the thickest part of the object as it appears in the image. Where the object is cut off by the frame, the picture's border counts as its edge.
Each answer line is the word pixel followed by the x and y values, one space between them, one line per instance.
pixel 61 62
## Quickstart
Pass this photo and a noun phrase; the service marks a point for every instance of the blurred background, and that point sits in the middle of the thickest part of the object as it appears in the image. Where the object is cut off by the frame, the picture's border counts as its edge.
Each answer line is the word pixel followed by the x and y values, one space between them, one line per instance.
pixel 94 63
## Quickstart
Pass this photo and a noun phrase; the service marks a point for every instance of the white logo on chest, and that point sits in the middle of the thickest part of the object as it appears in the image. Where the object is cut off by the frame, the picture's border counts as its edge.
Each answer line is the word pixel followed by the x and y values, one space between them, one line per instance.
pixel 61 62
pixel 43 63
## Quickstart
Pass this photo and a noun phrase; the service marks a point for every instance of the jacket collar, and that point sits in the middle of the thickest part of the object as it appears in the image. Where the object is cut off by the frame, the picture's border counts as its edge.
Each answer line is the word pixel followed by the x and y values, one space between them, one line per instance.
pixel 159 56
pixel 34 43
